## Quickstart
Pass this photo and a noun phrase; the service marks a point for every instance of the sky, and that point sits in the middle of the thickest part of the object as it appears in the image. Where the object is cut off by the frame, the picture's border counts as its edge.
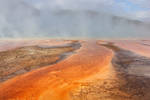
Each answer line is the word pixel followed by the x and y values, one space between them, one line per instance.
pixel 74 18
pixel 135 9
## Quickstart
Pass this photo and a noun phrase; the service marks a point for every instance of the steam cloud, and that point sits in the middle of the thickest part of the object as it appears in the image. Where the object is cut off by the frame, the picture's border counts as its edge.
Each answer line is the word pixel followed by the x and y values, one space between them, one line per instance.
pixel 20 19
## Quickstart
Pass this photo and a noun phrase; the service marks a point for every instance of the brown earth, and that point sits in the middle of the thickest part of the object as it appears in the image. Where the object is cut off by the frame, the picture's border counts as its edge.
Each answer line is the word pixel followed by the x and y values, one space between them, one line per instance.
pixel 13 44
pixel 141 47
pixel 57 81
pixel 126 80
pixel 97 71
pixel 24 59
pixel 130 69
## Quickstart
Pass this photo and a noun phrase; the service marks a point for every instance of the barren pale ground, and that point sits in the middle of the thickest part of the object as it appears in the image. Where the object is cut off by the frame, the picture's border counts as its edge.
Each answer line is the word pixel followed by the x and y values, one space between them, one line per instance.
pixel 74 70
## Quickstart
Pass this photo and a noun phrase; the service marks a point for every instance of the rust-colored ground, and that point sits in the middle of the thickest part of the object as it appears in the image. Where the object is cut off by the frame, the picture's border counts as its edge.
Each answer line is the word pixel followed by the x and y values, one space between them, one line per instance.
pixel 98 70
pixel 13 44
pixel 60 81
pixel 24 59
pixel 141 47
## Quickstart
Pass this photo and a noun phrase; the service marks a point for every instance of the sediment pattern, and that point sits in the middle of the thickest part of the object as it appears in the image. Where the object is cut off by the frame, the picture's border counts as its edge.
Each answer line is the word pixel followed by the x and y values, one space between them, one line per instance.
pixel 57 81
pixel 24 59
pixel 129 83
pixel 96 71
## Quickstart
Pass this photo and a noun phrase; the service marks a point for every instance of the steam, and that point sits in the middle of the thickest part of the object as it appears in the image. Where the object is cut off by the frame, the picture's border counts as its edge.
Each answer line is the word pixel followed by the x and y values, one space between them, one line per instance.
pixel 19 19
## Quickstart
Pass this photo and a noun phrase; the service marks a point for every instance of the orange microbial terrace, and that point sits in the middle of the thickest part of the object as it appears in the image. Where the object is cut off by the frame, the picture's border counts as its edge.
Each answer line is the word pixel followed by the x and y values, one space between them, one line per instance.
pixel 73 70
pixel 56 82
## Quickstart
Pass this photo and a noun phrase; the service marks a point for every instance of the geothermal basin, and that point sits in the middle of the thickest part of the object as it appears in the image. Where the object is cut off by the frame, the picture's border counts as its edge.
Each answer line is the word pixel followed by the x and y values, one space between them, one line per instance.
pixel 74 70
